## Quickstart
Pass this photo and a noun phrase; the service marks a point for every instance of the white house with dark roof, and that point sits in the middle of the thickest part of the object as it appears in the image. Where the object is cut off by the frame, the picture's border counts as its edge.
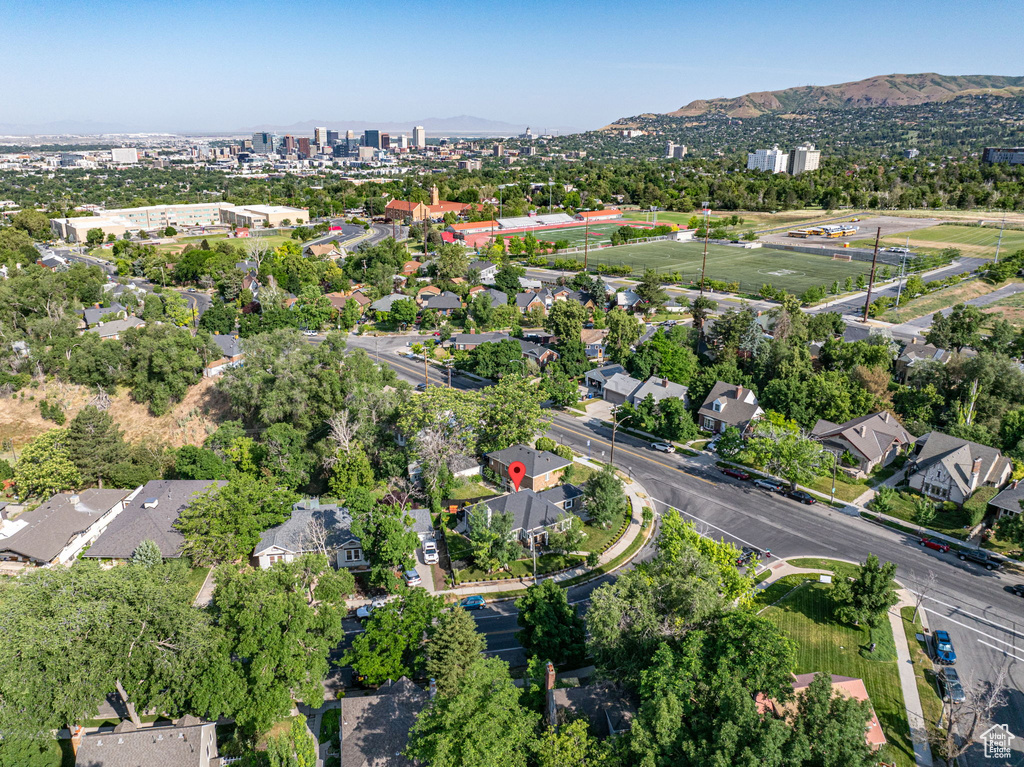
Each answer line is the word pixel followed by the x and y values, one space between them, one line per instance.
pixel 1009 500
pixel 543 469
pixel 310 522
pixel 150 515
pixel 231 355
pixel 872 439
pixel 951 469
pixel 534 515
pixel 57 530
pixel 728 405
pixel 486 269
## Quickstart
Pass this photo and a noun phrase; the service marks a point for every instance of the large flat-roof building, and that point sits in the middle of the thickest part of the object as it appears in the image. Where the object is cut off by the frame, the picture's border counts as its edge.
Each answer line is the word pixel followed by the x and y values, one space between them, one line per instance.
pixel 419 137
pixel 1011 155
pixel 124 155
pixel 802 159
pixel 772 160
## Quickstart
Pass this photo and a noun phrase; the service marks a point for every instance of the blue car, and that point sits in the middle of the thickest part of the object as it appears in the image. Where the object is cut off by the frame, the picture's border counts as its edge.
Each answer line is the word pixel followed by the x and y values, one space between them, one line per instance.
pixel 475 602
pixel 944 652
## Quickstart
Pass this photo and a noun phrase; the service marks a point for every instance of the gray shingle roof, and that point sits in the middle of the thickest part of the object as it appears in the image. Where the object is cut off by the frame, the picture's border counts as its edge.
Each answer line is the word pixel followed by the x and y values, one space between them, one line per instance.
pixel 735 412
pixel 1010 498
pixel 958 456
pixel 559 494
pixel 537 462
pixel 51 526
pixel 92 314
pixel 609 708
pixel 498 297
pixel 229 344
pixel 480 265
pixel 116 327
pixel 530 510
pixel 137 524
pixel 384 304
pixel 375 728
pixel 871 435
pixel 445 300
pixel 479 338
pixel 530 349
pixel 149 747
pixel 659 388
pixel 623 384
pixel 523 300
pixel 601 375
pixel 293 535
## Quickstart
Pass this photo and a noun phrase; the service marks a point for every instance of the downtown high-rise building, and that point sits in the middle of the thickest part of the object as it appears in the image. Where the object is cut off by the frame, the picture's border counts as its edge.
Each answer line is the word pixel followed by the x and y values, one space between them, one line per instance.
pixel 419 137
pixel 371 138
pixel 264 143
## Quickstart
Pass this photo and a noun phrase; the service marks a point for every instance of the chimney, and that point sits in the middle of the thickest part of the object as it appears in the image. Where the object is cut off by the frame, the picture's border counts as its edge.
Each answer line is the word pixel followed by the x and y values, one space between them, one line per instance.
pixel 433 689
pixel 96 305
pixel 1015 483
pixel 549 676
pixel 976 467
pixel 75 498
pixel 739 392
pixel 664 382
pixel 76 738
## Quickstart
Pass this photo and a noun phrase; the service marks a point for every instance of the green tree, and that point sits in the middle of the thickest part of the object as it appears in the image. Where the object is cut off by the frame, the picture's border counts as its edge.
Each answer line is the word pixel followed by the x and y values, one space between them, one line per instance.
pixel 313 309
pixel 454 644
pixel 387 541
pixel 510 413
pixel 94 444
pixel 35 223
pixel 349 315
pixel 624 330
pixel 280 625
pixel 605 497
pixel 492 544
pixel 223 524
pixel 551 628
pixel 219 318
pixel 565 319
pixel 94 237
pixel 391 646
pixel 701 309
pixel 650 290
pixel 869 596
pixel 829 727
pixel 570 745
pixel 481 725
pixel 351 470
pixel 147 554
pixel 785 451
pixel 30 752
pixel 295 748
pixel 403 312
pixel 45 466
pixel 1010 528
pixel 560 389
pixel 177 309
pixel 451 261
pixel 960 328
pixel 924 511
pixel 191 462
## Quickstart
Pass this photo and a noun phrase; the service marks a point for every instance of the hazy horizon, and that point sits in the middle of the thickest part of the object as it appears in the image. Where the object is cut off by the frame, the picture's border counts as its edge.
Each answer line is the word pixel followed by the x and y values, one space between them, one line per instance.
pixel 225 66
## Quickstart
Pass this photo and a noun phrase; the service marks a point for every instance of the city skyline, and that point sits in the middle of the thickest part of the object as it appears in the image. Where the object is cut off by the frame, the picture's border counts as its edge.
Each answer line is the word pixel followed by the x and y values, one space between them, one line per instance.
pixel 546 64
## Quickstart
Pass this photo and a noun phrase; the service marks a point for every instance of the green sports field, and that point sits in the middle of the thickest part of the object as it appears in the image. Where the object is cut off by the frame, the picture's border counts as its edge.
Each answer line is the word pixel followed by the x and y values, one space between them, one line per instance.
pixel 600 234
pixel 971 240
pixel 794 272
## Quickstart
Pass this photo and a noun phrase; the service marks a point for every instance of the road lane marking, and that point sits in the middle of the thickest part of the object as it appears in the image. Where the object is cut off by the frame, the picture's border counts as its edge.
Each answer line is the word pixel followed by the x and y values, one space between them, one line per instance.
pixel 969 628
pixel 705 522
pixel 1000 649
pixel 971 615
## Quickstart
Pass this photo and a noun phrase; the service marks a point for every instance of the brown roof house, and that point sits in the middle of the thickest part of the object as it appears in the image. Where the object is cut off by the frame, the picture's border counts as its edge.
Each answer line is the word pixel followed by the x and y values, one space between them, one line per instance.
pixel 874 440
pixel 543 469
pixel 190 742
pixel 951 469
pixel 57 530
pixel 374 729
pixel 728 405
pixel 608 708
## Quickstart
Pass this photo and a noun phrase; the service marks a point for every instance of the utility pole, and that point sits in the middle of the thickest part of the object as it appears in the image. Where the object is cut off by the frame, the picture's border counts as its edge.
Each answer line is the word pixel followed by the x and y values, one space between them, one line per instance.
pixel 1000 240
pixel 615 428
pixel 426 369
pixel 874 262
pixel 707 229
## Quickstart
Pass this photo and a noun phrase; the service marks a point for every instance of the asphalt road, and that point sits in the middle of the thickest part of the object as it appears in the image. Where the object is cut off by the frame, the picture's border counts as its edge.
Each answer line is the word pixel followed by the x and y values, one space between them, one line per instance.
pixel 985 620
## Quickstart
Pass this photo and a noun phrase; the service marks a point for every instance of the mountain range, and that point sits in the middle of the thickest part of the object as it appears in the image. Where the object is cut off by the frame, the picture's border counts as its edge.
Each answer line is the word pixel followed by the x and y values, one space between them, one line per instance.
pixel 879 91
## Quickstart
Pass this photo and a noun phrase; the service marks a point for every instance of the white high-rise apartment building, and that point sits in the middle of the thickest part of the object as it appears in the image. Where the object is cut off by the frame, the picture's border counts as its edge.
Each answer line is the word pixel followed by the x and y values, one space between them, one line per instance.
pixel 773 160
pixel 124 154
pixel 320 137
pixel 675 151
pixel 419 137
pixel 804 158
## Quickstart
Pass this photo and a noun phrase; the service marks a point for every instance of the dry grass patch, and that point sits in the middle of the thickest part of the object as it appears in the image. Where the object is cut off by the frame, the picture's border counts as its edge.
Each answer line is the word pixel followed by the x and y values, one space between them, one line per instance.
pixel 943 299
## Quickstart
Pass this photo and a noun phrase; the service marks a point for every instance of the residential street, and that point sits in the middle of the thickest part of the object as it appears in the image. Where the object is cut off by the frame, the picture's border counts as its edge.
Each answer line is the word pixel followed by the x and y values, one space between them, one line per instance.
pixel 985 620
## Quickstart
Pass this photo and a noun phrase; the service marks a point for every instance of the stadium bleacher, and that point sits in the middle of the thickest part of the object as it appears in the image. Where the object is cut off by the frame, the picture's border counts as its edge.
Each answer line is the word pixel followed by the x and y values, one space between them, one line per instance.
pixel 527 222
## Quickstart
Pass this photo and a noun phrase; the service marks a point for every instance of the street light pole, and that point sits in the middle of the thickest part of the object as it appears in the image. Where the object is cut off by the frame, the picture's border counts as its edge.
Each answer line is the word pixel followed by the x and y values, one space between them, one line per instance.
pixel 615 428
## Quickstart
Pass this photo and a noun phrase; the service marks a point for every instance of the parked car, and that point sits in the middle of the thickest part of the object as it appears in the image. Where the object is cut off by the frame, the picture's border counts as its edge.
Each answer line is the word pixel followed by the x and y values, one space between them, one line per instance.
pixel 944 652
pixel 663 447
pixel 421 387
pixel 412 578
pixel 928 543
pixel 430 553
pixel 749 555
pixel 365 611
pixel 769 484
pixel 981 557
pixel 1017 590
pixel 735 473
pixel 309 332
pixel 475 602
pixel 800 495
pixel 952 690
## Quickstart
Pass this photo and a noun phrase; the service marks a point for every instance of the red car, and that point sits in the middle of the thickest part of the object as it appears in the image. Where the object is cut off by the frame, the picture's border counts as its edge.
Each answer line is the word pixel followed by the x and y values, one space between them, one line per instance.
pixel 736 473
pixel 937 545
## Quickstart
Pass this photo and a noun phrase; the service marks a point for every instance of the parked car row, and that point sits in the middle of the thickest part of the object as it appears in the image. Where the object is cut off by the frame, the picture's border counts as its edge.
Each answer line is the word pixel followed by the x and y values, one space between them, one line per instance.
pixel 772 485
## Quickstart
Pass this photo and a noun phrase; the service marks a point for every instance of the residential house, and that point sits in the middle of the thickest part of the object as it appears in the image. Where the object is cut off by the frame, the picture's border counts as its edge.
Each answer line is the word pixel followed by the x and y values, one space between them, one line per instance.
pixel 53 263
pixel 313 527
pixel 543 469
pixel 486 270
pixel 339 300
pixel 728 405
pixel 608 708
pixel 629 301
pixel 660 389
pixel 619 388
pixel 566 497
pixel 498 298
pixel 527 301
pixel 93 315
pixel 593 340
pixel 115 328
pixel 950 469
pixel 374 729
pixel 534 517
pixel 444 304
pixel 845 686
pixel 426 292
pixel 150 515
pixel 325 250
pixel 916 353
pixel 465 342
pixel 597 378
pixel 527 284
pixel 409 268
pixel 56 531
pixel 1008 501
pixel 231 355
pixel 190 742
pixel 539 354
pixel 873 440
pixel 384 304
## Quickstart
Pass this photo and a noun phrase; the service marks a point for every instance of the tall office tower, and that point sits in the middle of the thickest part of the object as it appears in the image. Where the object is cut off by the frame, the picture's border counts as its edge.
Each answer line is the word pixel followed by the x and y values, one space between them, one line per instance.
pixel 320 138
pixel 332 137
pixel 802 159
pixel 772 160
pixel 403 142
pixel 371 138
pixel 419 137
pixel 263 143
pixel 304 146
pixel 289 144
pixel 385 141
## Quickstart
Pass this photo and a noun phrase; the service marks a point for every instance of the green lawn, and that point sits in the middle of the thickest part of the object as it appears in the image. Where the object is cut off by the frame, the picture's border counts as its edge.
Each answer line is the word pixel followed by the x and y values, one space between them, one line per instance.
pixel 949 518
pixel 823 645
pixel 196 578
pixel 471 490
pixel 751 268
pixel 841 569
pixel 329 725
pixel 522 568
pixel 972 240
pixel 599 538
pixel 931 703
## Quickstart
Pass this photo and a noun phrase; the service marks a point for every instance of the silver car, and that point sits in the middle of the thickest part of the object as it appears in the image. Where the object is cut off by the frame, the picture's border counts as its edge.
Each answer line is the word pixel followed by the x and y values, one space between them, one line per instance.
pixel 769 484
pixel 952 690
pixel 663 447
pixel 430 553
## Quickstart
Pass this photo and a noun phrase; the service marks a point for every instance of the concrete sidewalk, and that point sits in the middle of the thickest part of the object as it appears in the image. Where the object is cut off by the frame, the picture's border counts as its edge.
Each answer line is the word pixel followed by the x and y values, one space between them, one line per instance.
pixel 905 666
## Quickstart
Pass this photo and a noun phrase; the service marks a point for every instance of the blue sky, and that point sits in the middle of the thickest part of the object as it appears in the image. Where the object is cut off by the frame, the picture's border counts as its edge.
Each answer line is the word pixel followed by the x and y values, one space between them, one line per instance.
pixel 226 64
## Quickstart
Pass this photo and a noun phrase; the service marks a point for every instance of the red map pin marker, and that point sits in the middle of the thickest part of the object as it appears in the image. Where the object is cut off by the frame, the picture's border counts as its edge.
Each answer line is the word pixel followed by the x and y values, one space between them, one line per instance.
pixel 516 471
